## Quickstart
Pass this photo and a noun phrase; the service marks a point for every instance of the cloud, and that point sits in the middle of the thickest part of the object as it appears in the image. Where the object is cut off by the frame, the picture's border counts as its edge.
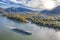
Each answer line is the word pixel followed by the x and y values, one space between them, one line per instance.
pixel 37 4
pixel 18 1
pixel 2 3
pixel 58 2
pixel 30 3
pixel 48 4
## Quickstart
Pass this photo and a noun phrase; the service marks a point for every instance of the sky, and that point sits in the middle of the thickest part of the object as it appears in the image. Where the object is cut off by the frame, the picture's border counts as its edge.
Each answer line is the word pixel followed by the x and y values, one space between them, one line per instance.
pixel 38 4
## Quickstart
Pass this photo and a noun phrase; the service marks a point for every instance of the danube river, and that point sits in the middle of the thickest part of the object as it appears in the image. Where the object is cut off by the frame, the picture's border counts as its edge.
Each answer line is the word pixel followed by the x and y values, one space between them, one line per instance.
pixel 38 32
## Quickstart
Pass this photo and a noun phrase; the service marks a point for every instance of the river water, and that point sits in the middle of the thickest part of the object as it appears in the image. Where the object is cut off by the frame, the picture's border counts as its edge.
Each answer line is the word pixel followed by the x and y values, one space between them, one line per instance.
pixel 38 32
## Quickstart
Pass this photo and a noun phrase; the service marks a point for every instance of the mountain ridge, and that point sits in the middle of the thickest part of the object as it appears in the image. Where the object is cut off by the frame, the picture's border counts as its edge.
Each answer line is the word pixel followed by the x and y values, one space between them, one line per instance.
pixel 18 9
pixel 56 10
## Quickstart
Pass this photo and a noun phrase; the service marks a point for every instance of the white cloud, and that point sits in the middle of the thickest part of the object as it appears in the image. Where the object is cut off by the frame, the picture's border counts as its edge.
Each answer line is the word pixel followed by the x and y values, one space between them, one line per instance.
pixel 45 4
pixel 32 3
pixel 58 2
pixel 48 4
pixel 3 3
pixel 16 1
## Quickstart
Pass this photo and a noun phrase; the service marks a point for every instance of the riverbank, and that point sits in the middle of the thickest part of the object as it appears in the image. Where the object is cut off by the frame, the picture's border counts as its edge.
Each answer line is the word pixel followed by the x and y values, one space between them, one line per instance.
pixel 16 18
pixel 48 24
pixel 37 19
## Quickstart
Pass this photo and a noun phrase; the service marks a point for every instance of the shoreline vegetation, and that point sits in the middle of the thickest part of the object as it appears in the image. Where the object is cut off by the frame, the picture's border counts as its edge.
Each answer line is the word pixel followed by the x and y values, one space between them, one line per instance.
pixel 52 22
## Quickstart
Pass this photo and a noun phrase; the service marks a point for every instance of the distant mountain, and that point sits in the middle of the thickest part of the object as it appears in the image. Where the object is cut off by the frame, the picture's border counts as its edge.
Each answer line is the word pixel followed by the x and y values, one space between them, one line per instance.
pixel 45 11
pixel 56 10
pixel 18 9
pixel 1 10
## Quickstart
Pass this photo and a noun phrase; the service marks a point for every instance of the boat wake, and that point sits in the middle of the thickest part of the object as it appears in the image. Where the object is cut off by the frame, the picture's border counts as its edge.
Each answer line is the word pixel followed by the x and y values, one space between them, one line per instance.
pixel 10 27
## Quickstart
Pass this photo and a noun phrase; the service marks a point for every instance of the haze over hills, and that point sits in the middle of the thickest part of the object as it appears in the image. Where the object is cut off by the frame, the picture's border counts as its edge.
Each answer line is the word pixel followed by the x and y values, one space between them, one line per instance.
pixel 18 9
pixel 2 10
pixel 56 10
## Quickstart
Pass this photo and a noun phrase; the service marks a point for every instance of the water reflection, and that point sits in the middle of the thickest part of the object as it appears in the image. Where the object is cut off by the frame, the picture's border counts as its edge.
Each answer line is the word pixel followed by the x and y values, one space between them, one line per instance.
pixel 57 34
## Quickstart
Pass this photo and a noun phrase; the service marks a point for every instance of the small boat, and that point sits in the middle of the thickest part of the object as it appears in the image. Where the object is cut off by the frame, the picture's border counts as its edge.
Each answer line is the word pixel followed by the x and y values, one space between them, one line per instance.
pixel 21 31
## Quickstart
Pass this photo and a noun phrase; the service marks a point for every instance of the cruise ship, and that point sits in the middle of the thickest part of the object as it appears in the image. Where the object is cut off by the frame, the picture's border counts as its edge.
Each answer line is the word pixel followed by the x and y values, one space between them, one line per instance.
pixel 18 30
